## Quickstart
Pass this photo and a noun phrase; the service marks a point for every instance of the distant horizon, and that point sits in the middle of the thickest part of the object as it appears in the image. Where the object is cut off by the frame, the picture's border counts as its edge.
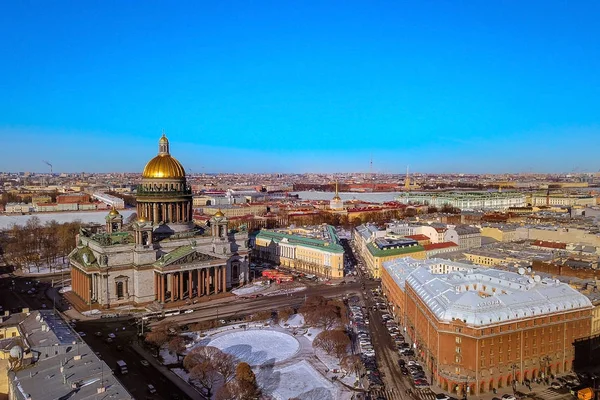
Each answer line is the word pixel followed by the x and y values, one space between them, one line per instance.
pixel 316 173
pixel 490 87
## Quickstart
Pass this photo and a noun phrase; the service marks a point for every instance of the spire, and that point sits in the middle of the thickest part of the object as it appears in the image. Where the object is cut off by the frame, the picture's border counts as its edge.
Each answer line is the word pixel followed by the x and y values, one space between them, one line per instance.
pixel 337 195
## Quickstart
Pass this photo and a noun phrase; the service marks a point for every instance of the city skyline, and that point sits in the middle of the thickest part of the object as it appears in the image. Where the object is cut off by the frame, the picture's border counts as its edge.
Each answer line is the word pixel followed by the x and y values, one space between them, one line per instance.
pixel 302 88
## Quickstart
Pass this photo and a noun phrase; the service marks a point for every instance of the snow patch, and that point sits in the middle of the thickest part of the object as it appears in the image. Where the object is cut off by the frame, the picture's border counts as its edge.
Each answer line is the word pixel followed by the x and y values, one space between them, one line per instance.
pixel 249 289
pixel 167 357
pixel 257 347
pixel 299 380
pixel 65 289
pixel 182 373
pixel 295 321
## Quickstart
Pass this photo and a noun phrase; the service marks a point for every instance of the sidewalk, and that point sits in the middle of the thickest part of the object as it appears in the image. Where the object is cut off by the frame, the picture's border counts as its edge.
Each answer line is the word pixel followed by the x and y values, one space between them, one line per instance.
pixel 176 380
pixel 53 295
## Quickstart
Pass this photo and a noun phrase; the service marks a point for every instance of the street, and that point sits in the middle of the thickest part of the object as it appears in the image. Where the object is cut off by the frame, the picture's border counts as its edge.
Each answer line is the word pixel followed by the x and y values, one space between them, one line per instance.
pixel 139 376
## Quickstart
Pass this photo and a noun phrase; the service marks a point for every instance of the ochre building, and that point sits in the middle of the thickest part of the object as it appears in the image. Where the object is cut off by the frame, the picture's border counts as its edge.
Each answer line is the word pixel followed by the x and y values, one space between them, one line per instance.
pixel 483 328
pixel 314 250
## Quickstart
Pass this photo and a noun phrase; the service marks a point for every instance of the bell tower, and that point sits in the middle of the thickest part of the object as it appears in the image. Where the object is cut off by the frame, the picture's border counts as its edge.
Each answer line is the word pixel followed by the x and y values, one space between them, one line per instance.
pixel 114 221
pixel 218 229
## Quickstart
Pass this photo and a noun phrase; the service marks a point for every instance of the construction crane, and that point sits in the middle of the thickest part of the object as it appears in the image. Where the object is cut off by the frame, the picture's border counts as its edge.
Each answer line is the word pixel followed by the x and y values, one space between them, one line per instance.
pixel 50 165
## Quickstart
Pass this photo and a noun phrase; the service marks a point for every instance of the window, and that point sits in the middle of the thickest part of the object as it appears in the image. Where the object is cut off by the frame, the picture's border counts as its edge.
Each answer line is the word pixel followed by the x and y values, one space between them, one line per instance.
pixel 14 334
pixel 457 359
pixel 458 349
pixel 458 339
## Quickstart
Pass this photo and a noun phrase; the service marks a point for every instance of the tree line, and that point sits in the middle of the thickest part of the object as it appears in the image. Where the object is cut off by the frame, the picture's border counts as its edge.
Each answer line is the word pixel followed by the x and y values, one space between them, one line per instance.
pixel 34 244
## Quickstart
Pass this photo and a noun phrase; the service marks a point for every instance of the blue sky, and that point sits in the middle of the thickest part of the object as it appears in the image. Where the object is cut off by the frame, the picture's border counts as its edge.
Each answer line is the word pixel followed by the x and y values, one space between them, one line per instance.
pixel 288 86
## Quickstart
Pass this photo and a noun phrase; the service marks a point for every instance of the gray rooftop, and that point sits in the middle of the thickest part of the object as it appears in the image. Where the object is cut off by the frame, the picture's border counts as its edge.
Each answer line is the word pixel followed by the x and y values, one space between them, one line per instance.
pixel 481 296
pixel 53 344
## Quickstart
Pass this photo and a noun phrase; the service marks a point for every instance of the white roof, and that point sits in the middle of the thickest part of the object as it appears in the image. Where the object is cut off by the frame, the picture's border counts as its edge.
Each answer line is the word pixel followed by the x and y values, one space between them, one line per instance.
pixel 481 296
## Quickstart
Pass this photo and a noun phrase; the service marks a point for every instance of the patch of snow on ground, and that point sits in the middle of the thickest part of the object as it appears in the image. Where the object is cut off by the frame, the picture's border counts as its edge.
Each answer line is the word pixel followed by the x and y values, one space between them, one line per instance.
pixel 257 347
pixel 91 312
pixel 286 291
pixel 249 289
pixel 299 380
pixel 295 321
pixel 44 269
pixel 182 373
pixel 312 332
pixel 65 289
pixel 85 217
pixel 167 357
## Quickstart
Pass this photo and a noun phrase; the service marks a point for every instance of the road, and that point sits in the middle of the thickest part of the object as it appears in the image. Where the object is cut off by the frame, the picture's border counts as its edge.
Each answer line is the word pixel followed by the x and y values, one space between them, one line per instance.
pixel 386 353
pixel 139 376
pixel 237 307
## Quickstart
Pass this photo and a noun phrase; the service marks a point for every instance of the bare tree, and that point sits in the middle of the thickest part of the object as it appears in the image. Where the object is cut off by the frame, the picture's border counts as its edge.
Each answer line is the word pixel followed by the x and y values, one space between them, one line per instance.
pixel 335 341
pixel 176 345
pixel 352 363
pixel 324 341
pixel 225 365
pixel 157 339
pixel 206 374
pixel 285 313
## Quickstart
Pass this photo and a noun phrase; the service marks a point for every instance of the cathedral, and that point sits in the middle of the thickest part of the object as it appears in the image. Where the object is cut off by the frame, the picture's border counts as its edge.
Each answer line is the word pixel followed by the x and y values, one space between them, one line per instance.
pixel 161 257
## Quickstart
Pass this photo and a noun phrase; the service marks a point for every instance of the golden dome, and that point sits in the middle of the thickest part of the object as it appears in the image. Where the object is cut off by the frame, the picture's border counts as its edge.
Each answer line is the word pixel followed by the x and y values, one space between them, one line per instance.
pixel 164 166
pixel 219 213
pixel 113 211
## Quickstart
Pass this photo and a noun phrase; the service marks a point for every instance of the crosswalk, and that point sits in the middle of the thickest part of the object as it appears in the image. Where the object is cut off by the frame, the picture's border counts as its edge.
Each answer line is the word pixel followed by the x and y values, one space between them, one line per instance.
pixel 424 394
pixel 552 394
pixel 392 394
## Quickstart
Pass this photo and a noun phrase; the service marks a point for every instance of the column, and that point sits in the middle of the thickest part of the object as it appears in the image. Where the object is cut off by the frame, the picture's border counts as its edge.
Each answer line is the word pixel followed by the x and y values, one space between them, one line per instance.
pixel 181 285
pixel 217 280
pixel 161 288
pixel 172 287
pixel 200 285
pixel 190 281
pixel 206 281
pixel 177 212
pixel 224 278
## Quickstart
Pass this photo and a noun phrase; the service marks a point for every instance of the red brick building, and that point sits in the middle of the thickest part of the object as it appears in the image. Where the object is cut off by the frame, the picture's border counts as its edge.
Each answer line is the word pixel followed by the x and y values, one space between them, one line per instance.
pixel 481 328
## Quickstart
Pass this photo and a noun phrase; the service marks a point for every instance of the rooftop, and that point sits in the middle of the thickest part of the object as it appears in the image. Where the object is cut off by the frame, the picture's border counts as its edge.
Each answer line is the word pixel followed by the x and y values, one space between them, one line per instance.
pixel 322 237
pixel 479 296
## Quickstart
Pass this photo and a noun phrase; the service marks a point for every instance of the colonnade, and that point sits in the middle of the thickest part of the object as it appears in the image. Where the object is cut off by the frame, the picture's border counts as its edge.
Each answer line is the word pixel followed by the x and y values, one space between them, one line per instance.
pixel 81 284
pixel 172 286
pixel 175 211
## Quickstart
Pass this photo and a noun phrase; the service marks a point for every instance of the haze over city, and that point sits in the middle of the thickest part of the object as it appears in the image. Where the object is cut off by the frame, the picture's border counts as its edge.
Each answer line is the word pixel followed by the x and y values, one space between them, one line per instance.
pixel 302 87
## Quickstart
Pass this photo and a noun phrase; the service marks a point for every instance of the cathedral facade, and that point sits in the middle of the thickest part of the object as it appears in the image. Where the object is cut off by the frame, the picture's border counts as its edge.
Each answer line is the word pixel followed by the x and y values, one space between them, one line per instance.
pixel 161 257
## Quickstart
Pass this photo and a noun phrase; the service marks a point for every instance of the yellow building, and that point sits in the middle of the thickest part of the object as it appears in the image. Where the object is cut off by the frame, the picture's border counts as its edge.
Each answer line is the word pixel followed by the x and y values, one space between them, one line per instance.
pixel 231 211
pixel 376 247
pixel 314 251
pixel 500 233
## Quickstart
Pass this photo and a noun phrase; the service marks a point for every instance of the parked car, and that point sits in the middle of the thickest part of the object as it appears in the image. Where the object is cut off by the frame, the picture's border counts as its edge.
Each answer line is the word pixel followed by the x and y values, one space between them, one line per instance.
pixel 144 363
pixel 151 389
pixel 555 385
pixel 508 396
pixel 442 396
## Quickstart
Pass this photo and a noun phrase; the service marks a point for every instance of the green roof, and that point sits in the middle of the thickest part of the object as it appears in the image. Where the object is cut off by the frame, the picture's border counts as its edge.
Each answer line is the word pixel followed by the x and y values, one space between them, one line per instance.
pixel 318 244
pixel 181 252
pixel 377 252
